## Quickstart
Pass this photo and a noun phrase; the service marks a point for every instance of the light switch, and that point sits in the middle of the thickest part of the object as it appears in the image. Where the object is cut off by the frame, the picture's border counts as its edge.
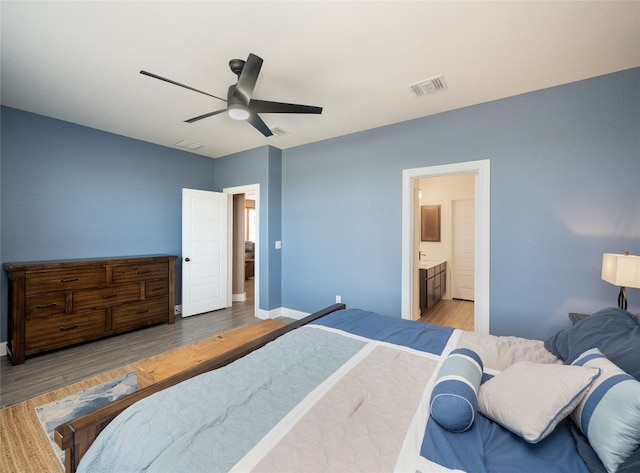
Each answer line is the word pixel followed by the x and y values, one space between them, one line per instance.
pixel 278 244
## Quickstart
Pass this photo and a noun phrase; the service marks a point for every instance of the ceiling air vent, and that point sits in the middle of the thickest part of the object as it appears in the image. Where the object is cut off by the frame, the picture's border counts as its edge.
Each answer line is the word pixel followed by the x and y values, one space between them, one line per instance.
pixel 428 86
pixel 277 131
pixel 188 144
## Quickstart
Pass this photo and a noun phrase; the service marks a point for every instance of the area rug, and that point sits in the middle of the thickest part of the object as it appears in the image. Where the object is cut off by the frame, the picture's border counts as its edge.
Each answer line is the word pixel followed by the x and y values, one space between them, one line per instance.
pixel 58 412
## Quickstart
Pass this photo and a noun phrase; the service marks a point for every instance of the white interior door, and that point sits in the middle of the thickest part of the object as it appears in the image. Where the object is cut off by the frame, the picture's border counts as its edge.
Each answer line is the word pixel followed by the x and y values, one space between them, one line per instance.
pixel 204 251
pixel 463 250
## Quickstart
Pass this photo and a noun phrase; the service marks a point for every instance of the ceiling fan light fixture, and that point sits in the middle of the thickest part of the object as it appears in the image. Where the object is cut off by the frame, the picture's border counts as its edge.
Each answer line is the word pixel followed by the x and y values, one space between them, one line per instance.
pixel 237 111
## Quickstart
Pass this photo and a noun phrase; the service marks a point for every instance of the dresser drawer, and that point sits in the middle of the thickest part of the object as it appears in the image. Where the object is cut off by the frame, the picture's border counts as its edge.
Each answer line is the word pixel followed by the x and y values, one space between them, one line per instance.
pixel 129 316
pixel 156 288
pixel 106 296
pixel 46 305
pixel 54 332
pixel 139 272
pixel 40 282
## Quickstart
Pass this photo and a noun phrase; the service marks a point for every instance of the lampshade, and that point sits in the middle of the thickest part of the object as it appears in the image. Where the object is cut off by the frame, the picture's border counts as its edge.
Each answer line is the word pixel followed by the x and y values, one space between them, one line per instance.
pixel 621 270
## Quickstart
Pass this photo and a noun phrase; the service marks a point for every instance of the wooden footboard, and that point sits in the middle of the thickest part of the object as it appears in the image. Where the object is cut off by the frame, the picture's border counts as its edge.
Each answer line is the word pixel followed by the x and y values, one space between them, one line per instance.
pixel 76 436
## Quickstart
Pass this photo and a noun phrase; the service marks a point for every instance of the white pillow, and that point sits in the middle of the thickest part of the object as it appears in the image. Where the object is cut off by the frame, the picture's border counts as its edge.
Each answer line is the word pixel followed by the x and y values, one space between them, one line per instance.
pixel 609 415
pixel 530 399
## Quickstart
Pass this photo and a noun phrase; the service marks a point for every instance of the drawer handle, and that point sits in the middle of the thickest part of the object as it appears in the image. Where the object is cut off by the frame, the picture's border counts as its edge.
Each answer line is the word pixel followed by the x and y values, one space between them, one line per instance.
pixel 70 280
pixel 62 329
pixel 110 296
pixel 141 312
pixel 143 272
pixel 46 306
pixel 158 288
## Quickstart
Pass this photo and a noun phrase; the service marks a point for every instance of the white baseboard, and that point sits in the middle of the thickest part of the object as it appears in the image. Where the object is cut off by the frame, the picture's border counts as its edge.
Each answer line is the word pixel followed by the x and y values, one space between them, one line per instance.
pixel 3 349
pixel 292 314
pixel 239 297
pixel 280 312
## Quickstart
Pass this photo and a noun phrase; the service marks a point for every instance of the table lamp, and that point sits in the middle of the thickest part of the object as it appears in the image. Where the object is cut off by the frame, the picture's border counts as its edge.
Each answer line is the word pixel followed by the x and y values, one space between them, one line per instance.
pixel 623 271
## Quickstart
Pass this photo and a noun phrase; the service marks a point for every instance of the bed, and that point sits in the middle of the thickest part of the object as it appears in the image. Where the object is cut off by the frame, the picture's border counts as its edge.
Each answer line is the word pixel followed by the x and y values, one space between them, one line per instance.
pixel 349 390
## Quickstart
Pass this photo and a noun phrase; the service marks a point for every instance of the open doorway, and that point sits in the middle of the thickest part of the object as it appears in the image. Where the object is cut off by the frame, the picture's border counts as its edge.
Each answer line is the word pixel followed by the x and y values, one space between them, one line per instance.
pixel 244 229
pixel 244 244
pixel 411 237
pixel 446 262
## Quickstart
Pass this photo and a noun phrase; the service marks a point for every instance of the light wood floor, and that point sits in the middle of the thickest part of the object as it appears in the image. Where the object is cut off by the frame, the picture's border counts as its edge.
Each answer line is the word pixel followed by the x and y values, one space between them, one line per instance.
pixel 54 370
pixel 451 313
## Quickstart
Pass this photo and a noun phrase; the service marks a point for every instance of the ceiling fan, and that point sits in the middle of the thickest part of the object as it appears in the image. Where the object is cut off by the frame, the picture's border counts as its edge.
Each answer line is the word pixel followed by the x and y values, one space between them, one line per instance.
pixel 240 103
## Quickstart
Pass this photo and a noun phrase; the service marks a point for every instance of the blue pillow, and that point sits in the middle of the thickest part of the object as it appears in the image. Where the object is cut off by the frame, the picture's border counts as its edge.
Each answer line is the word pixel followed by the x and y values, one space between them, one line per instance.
pixel 454 399
pixel 609 415
pixel 614 331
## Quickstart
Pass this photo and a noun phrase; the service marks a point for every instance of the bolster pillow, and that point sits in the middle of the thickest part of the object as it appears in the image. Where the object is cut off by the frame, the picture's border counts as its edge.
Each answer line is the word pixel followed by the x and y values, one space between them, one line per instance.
pixel 454 399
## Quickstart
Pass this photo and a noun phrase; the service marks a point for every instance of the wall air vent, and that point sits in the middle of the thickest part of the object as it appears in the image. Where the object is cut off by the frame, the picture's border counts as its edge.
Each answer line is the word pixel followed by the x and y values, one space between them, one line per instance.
pixel 190 145
pixel 428 86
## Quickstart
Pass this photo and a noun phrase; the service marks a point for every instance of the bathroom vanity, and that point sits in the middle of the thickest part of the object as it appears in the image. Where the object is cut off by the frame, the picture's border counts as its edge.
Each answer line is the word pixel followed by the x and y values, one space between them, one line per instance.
pixel 433 283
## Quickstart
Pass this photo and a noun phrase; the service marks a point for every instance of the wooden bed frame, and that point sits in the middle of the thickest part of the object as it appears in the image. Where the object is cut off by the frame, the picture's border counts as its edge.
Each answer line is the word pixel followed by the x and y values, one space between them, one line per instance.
pixel 76 436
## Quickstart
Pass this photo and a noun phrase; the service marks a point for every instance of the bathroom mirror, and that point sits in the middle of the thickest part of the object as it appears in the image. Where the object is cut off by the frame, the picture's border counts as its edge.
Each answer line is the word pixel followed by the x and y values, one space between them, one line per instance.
pixel 430 215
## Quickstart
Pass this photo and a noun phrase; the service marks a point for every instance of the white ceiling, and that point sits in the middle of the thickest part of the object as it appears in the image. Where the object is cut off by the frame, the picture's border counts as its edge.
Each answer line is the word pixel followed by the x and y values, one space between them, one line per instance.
pixel 80 61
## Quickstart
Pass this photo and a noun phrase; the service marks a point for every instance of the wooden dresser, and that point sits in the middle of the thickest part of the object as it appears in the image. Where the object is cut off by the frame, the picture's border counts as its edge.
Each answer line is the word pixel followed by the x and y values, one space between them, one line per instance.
pixel 54 304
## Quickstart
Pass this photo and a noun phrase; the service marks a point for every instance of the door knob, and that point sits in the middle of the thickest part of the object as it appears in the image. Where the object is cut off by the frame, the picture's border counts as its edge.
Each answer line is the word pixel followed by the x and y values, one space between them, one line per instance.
pixel 187 259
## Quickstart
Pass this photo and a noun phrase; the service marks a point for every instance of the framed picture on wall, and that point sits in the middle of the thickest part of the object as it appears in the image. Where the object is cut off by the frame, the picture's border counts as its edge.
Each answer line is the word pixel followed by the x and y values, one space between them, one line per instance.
pixel 430 219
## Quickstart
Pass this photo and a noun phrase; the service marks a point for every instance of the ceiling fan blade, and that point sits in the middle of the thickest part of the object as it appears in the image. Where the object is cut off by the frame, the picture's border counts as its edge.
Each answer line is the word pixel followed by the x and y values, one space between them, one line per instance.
pixel 259 125
pixel 264 106
pixel 155 76
pixel 248 77
pixel 206 115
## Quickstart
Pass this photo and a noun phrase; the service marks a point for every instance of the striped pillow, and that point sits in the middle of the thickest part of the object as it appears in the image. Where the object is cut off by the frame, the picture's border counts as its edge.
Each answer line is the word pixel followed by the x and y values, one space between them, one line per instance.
pixel 609 415
pixel 454 399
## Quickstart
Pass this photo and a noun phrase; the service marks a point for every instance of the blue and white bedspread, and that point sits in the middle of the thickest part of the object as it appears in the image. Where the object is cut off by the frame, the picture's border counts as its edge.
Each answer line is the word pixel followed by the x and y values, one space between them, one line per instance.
pixel 348 393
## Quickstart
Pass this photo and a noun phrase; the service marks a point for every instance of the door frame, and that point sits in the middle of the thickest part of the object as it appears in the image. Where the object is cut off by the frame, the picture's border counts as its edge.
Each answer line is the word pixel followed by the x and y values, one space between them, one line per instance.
pixel 256 278
pixel 409 271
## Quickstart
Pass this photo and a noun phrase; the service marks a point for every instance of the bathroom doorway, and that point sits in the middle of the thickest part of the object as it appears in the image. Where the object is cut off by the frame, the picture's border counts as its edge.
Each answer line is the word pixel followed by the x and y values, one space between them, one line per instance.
pixel 411 236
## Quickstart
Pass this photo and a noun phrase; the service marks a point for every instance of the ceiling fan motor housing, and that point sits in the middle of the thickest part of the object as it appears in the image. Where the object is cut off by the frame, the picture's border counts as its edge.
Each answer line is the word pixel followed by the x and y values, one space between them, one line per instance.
pixel 236 66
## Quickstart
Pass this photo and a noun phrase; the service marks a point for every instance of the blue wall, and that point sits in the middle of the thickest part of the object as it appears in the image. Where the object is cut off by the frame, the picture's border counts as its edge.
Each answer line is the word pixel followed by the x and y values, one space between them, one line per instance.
pixel 260 166
pixel 565 188
pixel 75 192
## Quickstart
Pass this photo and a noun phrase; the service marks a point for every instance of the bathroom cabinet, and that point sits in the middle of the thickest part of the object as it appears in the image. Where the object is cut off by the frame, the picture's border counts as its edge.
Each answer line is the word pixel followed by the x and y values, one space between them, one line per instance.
pixel 433 284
